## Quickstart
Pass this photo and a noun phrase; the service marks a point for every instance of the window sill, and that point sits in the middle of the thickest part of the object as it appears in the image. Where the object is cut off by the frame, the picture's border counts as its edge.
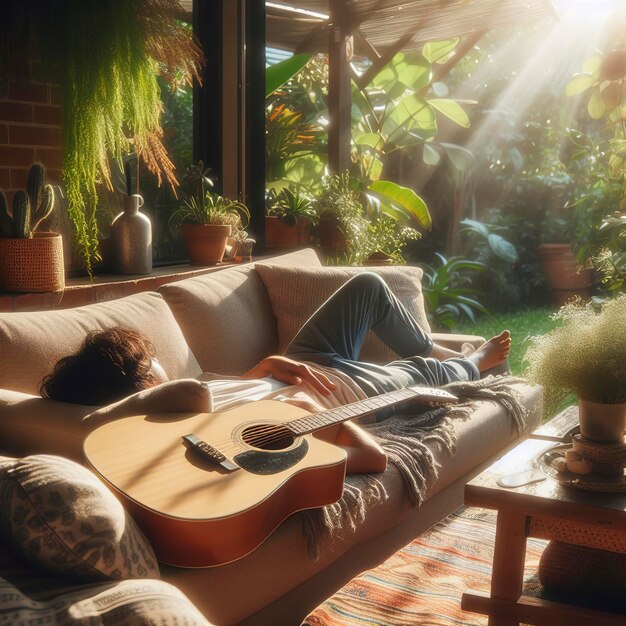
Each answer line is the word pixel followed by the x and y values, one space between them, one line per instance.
pixel 103 287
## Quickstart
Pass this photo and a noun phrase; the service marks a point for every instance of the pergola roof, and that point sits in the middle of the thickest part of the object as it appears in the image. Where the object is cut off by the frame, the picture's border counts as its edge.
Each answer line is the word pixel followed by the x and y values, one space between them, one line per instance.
pixel 302 25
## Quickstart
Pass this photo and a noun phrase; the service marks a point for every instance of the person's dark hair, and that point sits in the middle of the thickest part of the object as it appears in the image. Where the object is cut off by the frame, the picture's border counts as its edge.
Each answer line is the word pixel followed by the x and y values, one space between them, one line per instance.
pixel 110 365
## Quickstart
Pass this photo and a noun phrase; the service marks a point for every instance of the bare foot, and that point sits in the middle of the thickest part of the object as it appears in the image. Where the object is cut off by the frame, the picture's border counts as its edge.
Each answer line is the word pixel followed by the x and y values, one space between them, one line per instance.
pixel 492 352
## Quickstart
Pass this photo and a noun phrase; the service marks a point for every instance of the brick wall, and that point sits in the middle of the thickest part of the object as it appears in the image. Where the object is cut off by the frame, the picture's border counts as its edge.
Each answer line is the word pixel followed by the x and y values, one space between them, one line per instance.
pixel 30 131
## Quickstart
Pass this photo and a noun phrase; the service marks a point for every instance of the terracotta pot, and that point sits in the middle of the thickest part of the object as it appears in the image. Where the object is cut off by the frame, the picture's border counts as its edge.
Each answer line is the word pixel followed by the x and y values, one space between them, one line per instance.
pixel 602 422
pixel 280 235
pixel 32 265
pixel 563 275
pixel 332 238
pixel 205 243
pixel 378 258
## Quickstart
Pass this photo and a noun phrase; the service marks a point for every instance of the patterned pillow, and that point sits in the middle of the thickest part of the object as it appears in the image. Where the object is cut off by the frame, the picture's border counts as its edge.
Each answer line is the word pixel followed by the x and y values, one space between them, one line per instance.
pixel 58 515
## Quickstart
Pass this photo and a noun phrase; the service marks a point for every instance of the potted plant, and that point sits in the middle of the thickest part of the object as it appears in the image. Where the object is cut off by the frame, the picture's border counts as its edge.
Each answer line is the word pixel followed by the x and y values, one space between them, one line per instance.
pixel 341 216
pixel 289 215
pixel 565 277
pixel 585 356
pixel 207 219
pixel 30 260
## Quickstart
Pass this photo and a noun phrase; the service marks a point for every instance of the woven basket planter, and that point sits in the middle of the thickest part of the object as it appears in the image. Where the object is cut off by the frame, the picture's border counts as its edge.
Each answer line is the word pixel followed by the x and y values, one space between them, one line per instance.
pixel 32 265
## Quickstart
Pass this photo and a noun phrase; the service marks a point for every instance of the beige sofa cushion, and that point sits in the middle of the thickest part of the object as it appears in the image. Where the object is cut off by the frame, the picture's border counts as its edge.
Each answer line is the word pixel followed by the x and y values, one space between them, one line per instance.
pixel 31 343
pixel 296 292
pixel 226 316
pixel 59 516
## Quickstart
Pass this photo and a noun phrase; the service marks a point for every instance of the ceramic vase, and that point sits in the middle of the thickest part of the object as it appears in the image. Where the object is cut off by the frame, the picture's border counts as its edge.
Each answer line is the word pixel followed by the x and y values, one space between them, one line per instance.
pixel 131 239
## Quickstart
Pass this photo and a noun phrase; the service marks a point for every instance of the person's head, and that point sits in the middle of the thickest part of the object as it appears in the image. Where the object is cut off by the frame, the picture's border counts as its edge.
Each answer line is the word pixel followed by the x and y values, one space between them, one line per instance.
pixel 110 364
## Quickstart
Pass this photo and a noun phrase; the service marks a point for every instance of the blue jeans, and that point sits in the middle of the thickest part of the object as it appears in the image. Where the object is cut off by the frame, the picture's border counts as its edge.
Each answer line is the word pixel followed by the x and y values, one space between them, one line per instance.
pixel 335 333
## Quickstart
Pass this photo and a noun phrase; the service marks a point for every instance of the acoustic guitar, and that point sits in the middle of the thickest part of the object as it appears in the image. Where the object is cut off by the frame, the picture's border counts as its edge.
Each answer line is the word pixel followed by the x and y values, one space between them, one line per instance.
pixel 209 488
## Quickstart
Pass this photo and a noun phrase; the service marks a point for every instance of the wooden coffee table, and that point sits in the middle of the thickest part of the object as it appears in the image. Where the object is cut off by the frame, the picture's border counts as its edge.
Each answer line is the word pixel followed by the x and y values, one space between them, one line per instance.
pixel 520 510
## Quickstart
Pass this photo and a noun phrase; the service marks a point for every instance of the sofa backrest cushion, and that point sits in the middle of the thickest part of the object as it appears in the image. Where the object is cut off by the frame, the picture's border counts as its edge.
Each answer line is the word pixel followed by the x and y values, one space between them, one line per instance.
pixel 296 292
pixel 31 343
pixel 226 316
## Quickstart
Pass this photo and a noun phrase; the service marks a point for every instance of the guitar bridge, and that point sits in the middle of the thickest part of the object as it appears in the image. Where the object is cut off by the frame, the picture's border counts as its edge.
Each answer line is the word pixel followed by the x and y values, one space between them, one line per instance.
pixel 208 452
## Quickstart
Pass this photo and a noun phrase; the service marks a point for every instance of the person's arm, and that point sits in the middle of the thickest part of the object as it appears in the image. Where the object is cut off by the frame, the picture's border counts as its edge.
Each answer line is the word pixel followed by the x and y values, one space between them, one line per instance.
pixel 291 372
pixel 175 396
pixel 365 456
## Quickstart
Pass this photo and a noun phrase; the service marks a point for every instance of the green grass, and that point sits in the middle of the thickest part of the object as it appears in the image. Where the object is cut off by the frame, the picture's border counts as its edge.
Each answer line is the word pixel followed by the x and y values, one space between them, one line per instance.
pixel 522 325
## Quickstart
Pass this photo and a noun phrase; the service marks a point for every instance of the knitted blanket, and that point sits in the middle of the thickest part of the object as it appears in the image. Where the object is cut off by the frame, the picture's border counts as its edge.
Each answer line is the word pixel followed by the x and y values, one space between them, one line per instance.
pixel 406 439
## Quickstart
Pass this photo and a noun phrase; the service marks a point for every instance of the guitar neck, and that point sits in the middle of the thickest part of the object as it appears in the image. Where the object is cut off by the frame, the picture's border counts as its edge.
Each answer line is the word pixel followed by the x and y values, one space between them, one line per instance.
pixel 316 421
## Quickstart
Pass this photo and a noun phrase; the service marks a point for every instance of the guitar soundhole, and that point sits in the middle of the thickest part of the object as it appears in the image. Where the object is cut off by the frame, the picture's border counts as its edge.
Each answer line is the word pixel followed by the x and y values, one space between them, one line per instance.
pixel 268 436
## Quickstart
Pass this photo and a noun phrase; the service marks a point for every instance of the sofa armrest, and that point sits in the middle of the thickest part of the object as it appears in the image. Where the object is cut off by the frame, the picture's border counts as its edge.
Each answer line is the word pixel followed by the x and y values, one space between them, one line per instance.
pixel 31 424
pixel 454 341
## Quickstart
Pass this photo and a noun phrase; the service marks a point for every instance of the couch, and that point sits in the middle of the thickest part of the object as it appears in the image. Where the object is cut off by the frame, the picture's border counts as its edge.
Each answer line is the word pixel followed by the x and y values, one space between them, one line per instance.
pixel 226 322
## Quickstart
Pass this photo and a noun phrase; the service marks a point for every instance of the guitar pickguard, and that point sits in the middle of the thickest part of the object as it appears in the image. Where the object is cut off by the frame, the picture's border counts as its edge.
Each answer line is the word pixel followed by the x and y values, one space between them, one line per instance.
pixel 271 461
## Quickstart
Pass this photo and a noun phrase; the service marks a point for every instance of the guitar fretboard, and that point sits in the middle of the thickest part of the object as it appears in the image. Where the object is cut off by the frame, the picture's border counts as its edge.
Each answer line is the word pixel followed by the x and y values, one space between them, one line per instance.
pixel 316 421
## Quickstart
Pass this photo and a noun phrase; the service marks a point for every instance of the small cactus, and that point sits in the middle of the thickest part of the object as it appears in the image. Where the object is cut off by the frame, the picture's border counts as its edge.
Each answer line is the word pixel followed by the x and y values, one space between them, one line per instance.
pixel 21 215
pixel 41 196
pixel 34 184
pixel 30 207
pixel 6 222
pixel 44 206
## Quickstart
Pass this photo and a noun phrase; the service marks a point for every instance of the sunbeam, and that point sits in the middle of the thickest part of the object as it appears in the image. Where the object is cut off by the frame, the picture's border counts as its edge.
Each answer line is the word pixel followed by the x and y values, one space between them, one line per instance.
pixel 549 66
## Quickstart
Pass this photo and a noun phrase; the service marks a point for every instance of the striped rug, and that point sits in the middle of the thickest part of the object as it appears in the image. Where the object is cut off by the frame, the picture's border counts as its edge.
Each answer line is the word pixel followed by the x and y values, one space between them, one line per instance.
pixel 422 584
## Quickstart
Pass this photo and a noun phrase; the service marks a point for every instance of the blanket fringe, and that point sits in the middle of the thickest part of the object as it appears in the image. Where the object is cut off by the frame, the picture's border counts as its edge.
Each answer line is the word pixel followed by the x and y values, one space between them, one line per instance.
pixel 408 441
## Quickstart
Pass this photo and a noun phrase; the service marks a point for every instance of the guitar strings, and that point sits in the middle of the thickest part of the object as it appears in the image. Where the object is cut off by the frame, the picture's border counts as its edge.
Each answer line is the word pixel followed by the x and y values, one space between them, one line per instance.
pixel 262 435
pixel 259 437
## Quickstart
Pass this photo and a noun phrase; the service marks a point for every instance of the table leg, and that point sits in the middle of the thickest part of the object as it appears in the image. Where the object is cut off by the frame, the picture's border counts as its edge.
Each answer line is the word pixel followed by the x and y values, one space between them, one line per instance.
pixel 508 561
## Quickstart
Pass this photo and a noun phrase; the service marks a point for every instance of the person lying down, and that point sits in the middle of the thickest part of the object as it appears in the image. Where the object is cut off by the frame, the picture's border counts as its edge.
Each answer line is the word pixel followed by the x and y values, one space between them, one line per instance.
pixel 117 368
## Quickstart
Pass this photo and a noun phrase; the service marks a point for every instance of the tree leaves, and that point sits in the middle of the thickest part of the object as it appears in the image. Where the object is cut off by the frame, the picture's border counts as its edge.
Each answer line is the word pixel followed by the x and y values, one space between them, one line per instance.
pixel 399 201
pixel 278 74
pixel 451 110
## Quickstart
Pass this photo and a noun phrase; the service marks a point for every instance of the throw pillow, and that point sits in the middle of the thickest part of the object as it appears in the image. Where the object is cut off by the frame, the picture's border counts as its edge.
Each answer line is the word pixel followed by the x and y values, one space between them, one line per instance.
pixel 296 292
pixel 58 515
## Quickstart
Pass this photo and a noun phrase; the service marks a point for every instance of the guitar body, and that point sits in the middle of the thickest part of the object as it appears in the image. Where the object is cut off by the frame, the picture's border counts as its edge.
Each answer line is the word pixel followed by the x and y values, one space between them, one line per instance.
pixel 195 512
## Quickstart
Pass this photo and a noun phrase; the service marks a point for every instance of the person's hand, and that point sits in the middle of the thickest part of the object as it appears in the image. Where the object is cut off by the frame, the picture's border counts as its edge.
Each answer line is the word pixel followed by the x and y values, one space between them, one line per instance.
pixel 291 372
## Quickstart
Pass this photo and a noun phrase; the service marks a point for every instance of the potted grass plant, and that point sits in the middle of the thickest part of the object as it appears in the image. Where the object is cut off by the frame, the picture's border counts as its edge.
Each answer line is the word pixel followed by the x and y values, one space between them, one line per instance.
pixel 30 260
pixel 586 356
pixel 207 220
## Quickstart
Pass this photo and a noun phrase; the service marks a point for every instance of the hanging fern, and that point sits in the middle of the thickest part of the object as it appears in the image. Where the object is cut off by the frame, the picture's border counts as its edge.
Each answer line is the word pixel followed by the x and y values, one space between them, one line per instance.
pixel 105 55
